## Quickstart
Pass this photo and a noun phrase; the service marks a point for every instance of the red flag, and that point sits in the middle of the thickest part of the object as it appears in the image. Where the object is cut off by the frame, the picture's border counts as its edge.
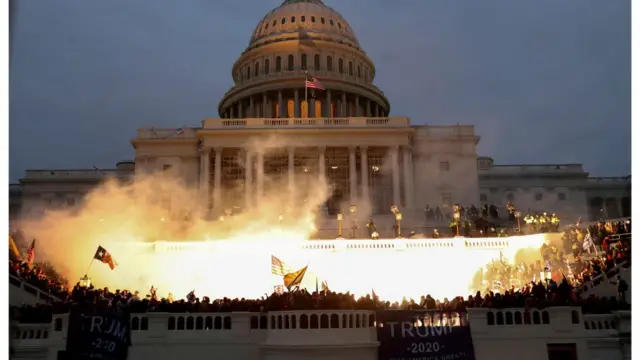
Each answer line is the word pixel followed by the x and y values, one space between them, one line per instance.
pixel 31 253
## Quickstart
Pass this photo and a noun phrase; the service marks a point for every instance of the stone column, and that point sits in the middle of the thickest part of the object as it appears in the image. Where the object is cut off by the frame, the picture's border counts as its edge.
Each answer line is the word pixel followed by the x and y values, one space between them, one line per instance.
pixel 368 108
pixel 248 179
pixel 396 175
pixel 232 113
pixel 322 167
pixel 353 180
pixel 281 108
pixel 343 105
pixel 357 114
pixel 296 103
pixel 217 179
pixel 260 176
pixel 291 163
pixel 264 105
pixel 328 104
pixel 364 170
pixel 240 110
pixel 206 175
pixel 407 164
pixel 251 113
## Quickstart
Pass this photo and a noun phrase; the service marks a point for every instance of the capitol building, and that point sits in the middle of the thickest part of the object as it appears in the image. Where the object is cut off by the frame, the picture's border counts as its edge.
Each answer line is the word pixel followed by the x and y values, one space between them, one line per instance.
pixel 341 132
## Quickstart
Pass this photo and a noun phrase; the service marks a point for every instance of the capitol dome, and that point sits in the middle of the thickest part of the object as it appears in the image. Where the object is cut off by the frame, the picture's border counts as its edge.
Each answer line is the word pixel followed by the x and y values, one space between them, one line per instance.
pixel 303 38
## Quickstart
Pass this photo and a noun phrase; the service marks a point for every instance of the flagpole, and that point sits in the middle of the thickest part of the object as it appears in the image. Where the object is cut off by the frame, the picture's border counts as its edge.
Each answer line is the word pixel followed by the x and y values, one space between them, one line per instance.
pixel 305 92
pixel 89 268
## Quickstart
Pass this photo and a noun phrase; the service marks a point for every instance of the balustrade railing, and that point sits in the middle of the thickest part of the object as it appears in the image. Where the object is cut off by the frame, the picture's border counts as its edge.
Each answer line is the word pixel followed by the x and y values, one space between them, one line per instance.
pixel 17 283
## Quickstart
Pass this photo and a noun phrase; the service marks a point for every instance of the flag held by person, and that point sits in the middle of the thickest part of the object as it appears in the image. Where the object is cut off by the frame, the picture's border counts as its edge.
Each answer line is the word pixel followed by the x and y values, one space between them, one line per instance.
pixel 325 286
pixel 278 267
pixel 103 256
pixel 31 252
pixel 13 248
pixel 294 278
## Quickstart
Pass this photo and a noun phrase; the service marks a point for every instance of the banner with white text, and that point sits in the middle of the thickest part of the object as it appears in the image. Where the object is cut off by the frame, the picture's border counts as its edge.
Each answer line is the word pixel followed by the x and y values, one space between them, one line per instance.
pixel 98 335
pixel 424 335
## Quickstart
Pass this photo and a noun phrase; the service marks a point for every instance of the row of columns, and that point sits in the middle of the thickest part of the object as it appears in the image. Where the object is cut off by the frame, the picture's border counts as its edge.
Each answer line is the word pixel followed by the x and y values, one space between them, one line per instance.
pixel 408 177
pixel 265 108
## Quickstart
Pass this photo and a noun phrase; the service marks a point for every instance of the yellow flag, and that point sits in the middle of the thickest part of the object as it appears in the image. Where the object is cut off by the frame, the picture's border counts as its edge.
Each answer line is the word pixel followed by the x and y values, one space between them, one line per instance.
pixel 13 248
pixel 294 278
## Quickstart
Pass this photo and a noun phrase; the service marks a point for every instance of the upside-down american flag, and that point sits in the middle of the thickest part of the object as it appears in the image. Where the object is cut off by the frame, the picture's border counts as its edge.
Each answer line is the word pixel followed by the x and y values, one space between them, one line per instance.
pixel 312 83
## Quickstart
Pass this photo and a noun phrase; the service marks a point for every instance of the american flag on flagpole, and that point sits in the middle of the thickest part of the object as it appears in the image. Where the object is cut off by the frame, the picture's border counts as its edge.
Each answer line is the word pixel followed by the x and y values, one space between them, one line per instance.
pixel 313 83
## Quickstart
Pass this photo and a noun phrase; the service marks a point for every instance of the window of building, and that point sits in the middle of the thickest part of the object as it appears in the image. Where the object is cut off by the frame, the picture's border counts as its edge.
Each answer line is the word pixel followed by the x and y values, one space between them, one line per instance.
pixel 274 23
pixel 166 169
pixel 562 196
pixel 266 66
pixel 316 62
pixel 538 196
pixel 339 26
pixel 302 18
pixel 359 73
pixel 444 166
pixel 340 66
pixel 293 19
pixel 303 61
pixel 266 25
pixel 313 19
pixel 256 69
pixel 446 199
pixel 350 68
pixel 330 22
pixel 283 21
pixel 329 63
pixel 322 20
pixel 510 197
pixel 483 197
pixel 290 63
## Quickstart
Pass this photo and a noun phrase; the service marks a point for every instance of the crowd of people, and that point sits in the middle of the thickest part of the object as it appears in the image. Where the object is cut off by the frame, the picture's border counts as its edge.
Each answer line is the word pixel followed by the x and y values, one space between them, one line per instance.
pixel 534 292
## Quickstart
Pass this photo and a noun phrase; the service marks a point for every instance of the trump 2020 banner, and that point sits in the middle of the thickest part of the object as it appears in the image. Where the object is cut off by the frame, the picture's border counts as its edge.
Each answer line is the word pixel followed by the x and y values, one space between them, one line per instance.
pixel 104 335
pixel 424 335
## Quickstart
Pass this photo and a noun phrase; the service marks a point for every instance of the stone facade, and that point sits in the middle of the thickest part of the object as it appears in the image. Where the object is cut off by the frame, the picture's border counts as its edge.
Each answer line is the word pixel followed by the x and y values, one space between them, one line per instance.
pixel 272 131
pixel 338 334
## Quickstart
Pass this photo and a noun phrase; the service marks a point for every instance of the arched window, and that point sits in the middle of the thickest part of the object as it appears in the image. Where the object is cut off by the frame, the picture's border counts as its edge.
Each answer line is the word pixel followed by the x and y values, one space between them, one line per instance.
pixel 290 63
pixel 322 20
pixel 340 66
pixel 303 61
pixel 359 73
pixel 293 19
pixel 316 62
pixel 248 72
pixel 350 68
pixel 283 21
pixel 329 63
pixel 278 64
pixel 302 18
pixel 274 23
pixel 313 19
pixel 256 69
pixel 266 66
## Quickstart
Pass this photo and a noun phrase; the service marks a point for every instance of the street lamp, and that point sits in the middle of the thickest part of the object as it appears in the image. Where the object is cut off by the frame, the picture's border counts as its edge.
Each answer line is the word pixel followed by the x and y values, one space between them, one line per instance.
pixel 339 217
pixel 456 217
pixel 398 215
pixel 354 225
pixel 517 215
